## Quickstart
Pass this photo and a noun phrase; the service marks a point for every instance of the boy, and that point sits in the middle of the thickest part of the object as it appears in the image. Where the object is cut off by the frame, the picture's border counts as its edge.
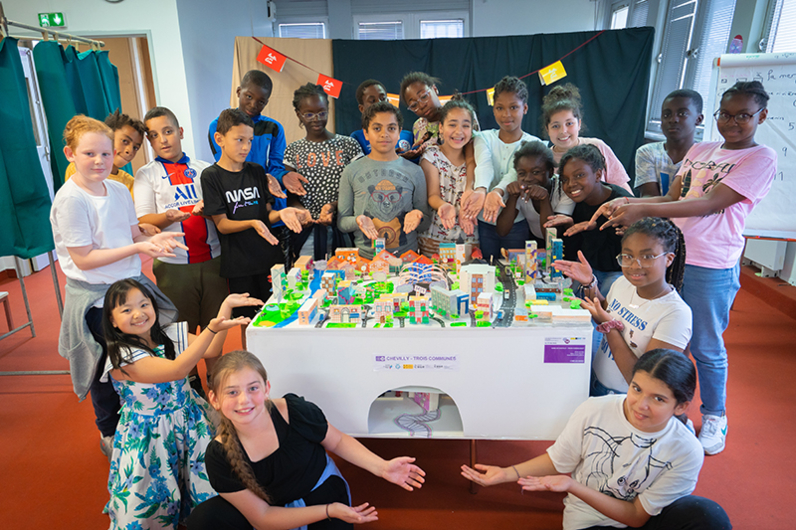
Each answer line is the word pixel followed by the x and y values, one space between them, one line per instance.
pixel 369 92
pixel 128 135
pixel 237 198
pixel 657 163
pixel 168 195
pixel 382 195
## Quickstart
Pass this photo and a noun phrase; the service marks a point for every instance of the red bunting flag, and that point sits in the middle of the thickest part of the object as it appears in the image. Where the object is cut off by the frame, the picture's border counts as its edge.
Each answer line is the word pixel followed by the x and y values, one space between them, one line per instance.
pixel 271 58
pixel 330 86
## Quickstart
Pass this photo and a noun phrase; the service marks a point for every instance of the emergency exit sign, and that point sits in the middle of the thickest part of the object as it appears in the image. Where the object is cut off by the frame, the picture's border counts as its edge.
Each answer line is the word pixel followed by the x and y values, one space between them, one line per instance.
pixel 51 20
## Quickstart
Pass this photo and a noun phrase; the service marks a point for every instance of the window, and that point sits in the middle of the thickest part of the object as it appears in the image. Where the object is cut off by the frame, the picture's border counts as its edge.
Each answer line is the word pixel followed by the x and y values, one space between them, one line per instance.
pixel 619 15
pixel 390 30
pixel 782 35
pixel 303 30
pixel 441 29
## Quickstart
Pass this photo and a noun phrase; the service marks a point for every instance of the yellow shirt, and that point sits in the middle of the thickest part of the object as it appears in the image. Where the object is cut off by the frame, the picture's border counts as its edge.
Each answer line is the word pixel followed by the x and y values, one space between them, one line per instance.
pixel 122 176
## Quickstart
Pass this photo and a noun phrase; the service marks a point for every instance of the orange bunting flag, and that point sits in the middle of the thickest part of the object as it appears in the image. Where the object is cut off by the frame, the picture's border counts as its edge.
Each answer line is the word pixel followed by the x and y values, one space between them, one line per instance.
pixel 330 86
pixel 271 58
pixel 395 99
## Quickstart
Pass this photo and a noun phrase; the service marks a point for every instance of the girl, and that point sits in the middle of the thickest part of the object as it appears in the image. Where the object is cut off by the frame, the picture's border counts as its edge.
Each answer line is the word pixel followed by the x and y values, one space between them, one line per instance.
pixel 632 462
pixel 98 240
pixel 269 461
pixel 536 194
pixel 714 191
pixel 419 92
pixel 494 157
pixel 562 120
pixel 643 310
pixel 319 158
pixel 446 175
pixel 581 176
pixel 157 468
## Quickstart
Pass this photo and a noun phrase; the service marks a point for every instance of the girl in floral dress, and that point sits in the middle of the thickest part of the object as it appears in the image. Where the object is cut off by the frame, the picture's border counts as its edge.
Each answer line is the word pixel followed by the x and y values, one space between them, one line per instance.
pixel 446 177
pixel 157 466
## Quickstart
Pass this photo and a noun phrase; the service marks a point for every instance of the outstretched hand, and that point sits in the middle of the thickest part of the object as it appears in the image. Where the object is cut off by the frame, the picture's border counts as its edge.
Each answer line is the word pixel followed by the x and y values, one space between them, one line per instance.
pixel 593 306
pixel 557 220
pixel 577 228
pixel 624 216
pixel 263 232
pixel 467 223
pixel 487 475
pixel 559 483
pixel 364 513
pixel 412 220
pixel 294 218
pixel 402 472
pixel 365 224
pixel 293 182
pixel 580 270
pixel 241 300
pixel 473 202
pixel 177 216
pixel 607 209
pixel 447 215
pixel 492 205
pixel 223 323
pixel 164 243
pixel 274 188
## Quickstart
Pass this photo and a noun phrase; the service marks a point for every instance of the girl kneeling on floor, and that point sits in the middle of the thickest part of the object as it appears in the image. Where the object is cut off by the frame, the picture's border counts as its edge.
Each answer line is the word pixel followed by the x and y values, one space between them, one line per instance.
pixel 269 462
pixel 632 462
pixel 157 464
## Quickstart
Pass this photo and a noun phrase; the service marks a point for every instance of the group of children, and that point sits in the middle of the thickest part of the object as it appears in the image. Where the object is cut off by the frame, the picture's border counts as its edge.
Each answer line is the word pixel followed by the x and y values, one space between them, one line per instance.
pixel 214 232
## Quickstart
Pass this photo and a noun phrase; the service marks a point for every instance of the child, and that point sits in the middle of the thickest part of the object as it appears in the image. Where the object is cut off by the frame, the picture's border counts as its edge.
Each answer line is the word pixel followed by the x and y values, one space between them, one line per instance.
pixel 168 195
pixel 382 195
pixel 369 92
pixel 657 163
pixel 446 175
pixel 581 176
pixel 269 461
pixel 562 118
pixel 128 135
pixel 643 310
pixel 536 194
pixel 713 193
pixel 632 462
pixel 97 241
pixel 320 158
pixel 159 448
pixel 419 93
pixel 237 198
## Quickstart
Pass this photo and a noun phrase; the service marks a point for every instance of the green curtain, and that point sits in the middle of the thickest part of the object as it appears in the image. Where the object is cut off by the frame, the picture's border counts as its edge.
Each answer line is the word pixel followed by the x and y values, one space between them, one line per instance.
pixel 24 197
pixel 73 83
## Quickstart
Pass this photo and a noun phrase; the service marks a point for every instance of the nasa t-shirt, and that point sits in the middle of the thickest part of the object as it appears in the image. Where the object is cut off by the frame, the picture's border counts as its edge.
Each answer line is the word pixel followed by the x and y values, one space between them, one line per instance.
pixel 242 196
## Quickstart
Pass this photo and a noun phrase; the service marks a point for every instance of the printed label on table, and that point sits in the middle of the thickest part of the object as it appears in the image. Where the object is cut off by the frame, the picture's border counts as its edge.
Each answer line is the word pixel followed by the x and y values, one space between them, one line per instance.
pixel 565 350
pixel 421 363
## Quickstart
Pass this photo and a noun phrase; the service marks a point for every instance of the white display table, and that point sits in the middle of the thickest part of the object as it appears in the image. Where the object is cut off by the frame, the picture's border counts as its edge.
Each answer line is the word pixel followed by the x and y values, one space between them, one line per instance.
pixel 503 383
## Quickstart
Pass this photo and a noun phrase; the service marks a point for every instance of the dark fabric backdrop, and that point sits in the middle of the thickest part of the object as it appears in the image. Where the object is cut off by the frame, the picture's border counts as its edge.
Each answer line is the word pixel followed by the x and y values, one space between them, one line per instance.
pixel 612 73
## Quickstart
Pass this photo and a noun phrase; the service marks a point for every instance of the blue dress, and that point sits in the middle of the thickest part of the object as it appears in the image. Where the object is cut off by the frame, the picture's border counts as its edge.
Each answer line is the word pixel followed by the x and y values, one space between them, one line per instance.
pixel 158 470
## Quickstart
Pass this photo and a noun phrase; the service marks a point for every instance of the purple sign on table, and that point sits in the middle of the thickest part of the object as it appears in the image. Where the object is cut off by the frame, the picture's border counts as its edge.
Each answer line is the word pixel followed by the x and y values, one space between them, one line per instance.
pixel 565 350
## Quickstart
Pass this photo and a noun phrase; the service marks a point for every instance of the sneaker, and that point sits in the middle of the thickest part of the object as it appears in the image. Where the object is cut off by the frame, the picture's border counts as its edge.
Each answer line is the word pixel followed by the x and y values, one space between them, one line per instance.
pixel 106 446
pixel 713 433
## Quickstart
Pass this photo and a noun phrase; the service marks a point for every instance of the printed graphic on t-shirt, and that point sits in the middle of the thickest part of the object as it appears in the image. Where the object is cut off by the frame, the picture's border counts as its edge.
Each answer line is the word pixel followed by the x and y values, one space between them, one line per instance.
pixel 702 177
pixel 242 197
pixel 186 196
pixel 385 205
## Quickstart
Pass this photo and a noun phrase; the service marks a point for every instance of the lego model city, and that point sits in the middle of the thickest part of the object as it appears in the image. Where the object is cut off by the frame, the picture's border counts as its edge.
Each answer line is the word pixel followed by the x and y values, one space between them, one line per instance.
pixel 455 288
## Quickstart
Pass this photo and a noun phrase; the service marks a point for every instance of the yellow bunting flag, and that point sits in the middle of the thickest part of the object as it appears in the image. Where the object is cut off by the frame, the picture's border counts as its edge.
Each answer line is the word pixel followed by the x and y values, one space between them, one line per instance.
pixel 490 96
pixel 444 99
pixel 552 73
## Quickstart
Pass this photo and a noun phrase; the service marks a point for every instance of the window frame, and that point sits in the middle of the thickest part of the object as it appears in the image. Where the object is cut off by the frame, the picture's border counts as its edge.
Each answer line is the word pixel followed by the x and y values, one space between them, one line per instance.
pixel 292 21
pixel 411 21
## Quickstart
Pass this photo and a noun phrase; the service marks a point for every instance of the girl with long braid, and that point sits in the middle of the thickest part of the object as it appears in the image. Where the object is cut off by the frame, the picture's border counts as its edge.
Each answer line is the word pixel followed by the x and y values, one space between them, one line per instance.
pixel 643 310
pixel 269 462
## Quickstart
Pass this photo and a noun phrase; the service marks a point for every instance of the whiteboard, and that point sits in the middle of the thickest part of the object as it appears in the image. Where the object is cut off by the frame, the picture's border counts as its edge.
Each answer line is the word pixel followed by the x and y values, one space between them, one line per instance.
pixel 775 215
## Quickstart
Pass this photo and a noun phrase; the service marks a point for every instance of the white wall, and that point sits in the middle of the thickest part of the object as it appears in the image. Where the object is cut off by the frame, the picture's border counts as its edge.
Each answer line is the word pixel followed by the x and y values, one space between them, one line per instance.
pixel 530 17
pixel 156 18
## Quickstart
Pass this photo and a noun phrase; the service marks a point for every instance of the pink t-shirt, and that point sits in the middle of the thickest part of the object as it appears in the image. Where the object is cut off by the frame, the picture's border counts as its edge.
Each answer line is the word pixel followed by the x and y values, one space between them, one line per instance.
pixel 614 170
pixel 716 241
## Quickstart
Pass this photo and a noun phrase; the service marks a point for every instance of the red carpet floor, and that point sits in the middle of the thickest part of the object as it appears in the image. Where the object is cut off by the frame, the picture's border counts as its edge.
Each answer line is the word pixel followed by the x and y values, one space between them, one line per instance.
pixel 54 476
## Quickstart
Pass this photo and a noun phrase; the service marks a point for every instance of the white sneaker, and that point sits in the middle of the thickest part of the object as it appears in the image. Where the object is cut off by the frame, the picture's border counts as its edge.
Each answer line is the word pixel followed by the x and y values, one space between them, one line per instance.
pixel 713 433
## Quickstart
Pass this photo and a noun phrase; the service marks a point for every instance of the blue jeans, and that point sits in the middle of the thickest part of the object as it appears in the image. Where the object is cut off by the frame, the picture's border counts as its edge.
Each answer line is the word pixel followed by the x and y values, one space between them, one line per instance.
pixel 710 293
pixel 598 389
pixel 491 243
pixel 686 513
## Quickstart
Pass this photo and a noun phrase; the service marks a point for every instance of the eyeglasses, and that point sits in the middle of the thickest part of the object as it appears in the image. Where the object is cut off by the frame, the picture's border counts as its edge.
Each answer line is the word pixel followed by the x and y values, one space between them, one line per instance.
pixel 421 98
pixel 645 262
pixel 724 116
pixel 311 116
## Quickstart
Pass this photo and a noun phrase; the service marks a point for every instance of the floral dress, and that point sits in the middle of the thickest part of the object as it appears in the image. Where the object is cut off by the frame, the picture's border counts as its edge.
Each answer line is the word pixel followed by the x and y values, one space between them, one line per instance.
pixel 158 471
pixel 452 180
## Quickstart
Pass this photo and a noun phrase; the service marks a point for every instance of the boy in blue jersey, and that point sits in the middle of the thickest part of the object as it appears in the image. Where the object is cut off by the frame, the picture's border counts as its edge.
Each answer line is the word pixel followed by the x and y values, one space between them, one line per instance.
pixel 268 144
pixel 368 93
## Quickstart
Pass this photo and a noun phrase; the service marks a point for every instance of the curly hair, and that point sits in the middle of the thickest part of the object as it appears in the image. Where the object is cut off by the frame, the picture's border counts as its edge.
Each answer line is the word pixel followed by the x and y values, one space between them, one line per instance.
pixel 748 88
pixel 417 77
pixel 671 239
pixel 307 91
pixel 512 85
pixel 380 106
pixel 534 149
pixel 565 97
pixel 117 120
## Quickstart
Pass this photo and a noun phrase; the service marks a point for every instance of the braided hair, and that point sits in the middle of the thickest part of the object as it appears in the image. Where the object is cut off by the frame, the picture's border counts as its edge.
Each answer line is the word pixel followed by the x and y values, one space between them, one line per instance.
pixel 670 238
pixel 227 365
pixel 307 91
pixel 748 88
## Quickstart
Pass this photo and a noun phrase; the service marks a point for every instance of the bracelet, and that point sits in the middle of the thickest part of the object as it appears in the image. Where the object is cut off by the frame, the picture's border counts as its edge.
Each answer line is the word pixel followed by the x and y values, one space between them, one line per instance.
pixel 327 513
pixel 210 330
pixel 627 200
pixel 517 472
pixel 607 326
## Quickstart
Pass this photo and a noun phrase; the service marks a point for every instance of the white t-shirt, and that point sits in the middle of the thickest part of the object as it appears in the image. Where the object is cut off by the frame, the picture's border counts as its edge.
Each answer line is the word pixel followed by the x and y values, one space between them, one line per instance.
pixel 667 319
pixel 559 201
pixel 604 452
pixel 654 165
pixel 494 161
pixel 162 185
pixel 79 219
pixel 716 241
pixel 177 332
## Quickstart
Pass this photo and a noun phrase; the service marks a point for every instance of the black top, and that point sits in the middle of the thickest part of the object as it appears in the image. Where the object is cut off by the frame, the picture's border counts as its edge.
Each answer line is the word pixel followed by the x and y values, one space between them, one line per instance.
pixel 290 472
pixel 600 247
pixel 242 196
